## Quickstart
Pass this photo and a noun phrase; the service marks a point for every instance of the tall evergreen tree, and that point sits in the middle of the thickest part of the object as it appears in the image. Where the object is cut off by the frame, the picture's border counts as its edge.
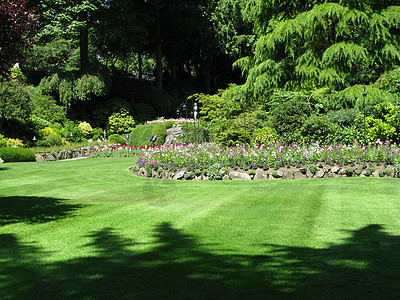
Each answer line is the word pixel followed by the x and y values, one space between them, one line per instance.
pixel 334 44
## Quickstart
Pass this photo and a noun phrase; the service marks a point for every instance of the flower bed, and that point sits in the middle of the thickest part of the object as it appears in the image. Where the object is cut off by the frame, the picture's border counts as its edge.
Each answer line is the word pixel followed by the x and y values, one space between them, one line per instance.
pixel 215 158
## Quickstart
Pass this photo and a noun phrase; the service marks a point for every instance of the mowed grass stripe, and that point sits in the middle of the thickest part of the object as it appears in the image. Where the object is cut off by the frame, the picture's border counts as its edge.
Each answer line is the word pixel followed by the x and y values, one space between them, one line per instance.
pixel 91 229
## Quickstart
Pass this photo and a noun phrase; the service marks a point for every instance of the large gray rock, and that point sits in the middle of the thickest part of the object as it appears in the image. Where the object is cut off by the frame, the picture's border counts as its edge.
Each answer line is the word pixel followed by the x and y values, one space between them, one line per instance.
pixel 320 174
pixel 299 175
pixel 1 161
pixel 39 157
pixel 239 176
pixel 335 169
pixel 259 175
pixel 180 175
pixel 226 177
pixel 173 134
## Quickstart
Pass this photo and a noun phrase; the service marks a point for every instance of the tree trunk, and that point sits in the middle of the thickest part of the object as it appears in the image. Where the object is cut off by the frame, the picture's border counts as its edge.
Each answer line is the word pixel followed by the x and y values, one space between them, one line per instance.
pixel 84 40
pixel 158 51
pixel 174 67
pixel 140 66
pixel 207 74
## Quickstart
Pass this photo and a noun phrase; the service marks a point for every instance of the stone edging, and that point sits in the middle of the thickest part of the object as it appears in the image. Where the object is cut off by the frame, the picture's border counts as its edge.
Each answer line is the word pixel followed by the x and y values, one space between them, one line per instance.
pixel 271 174
pixel 68 154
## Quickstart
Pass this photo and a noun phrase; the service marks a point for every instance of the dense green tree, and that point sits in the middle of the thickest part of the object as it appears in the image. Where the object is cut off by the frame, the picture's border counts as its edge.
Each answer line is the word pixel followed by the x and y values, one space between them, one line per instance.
pixel 330 44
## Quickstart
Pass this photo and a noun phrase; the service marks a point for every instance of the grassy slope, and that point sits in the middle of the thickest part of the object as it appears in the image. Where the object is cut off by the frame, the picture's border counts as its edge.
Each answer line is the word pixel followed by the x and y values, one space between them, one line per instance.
pixel 89 228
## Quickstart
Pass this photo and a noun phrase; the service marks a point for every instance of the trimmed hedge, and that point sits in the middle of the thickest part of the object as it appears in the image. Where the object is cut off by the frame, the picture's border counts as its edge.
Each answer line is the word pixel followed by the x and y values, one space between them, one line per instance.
pixel 141 134
pixel 10 154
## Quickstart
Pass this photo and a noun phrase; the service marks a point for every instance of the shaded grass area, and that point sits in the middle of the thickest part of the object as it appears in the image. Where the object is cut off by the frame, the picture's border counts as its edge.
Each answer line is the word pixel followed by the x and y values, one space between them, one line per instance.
pixel 89 229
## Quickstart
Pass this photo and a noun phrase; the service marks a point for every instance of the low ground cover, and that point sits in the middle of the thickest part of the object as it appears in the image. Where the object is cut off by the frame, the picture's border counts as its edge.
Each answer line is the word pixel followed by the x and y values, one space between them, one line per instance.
pixel 90 229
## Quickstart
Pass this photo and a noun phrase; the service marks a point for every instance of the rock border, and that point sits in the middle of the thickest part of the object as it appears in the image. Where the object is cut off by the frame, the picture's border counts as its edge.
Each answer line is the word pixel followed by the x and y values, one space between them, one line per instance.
pixel 323 171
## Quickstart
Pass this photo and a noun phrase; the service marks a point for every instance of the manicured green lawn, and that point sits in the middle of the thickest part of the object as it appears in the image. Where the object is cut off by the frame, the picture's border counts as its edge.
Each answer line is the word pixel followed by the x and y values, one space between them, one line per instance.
pixel 89 229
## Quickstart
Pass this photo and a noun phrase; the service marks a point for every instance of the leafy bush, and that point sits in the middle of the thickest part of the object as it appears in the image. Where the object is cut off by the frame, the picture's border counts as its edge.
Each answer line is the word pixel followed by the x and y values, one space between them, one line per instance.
pixel 344 117
pixel 265 135
pixel 120 123
pixel 312 168
pixel 97 134
pixel 116 139
pixel 10 154
pixel 349 171
pixel 317 128
pixel 15 143
pixel 390 81
pixel 46 108
pixel 3 141
pixel 86 129
pixel 288 118
pixel 213 172
pixel 49 137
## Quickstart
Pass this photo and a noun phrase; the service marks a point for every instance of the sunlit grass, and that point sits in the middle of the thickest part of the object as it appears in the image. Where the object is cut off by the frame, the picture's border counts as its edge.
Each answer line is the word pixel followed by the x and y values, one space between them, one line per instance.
pixel 91 229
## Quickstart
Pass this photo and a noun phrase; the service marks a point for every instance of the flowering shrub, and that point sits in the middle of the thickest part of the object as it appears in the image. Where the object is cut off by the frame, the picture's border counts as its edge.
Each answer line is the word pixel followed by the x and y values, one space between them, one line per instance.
pixel 179 120
pixel 274 155
pixel 117 151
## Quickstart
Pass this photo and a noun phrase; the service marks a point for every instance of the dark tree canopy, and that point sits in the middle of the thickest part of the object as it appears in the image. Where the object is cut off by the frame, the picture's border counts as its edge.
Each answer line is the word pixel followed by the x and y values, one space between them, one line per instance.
pixel 15 23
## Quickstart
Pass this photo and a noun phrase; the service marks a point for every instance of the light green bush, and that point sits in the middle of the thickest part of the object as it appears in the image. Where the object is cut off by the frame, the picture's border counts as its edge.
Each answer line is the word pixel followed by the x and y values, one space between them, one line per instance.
pixel 120 123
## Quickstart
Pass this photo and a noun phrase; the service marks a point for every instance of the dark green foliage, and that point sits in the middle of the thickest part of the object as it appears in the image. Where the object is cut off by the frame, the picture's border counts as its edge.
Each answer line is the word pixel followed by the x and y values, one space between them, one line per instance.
pixel 349 171
pixel 288 118
pixel 318 128
pixel 15 110
pixel 10 154
pixel 312 168
pixel 343 117
pixel 116 139
pixel 160 130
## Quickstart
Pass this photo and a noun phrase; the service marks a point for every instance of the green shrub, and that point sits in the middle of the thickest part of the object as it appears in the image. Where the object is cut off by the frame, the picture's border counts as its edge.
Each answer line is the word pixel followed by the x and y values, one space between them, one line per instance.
pixel 368 173
pixel 358 172
pixel 120 123
pixel 265 135
pixel 349 171
pixel 10 154
pixel 86 129
pixel 252 172
pixel 381 174
pixel 3 141
pixel 98 134
pixel 197 172
pixel 213 172
pixel 312 168
pixel 289 116
pixel 371 169
pixel 49 137
pixel 386 172
pixel 318 129
pixel 116 139
pixel 275 174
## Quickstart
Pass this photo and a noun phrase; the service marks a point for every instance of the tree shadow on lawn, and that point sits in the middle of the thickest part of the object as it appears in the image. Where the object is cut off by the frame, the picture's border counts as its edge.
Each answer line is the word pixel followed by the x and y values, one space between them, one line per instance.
pixel 178 267
pixel 34 209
